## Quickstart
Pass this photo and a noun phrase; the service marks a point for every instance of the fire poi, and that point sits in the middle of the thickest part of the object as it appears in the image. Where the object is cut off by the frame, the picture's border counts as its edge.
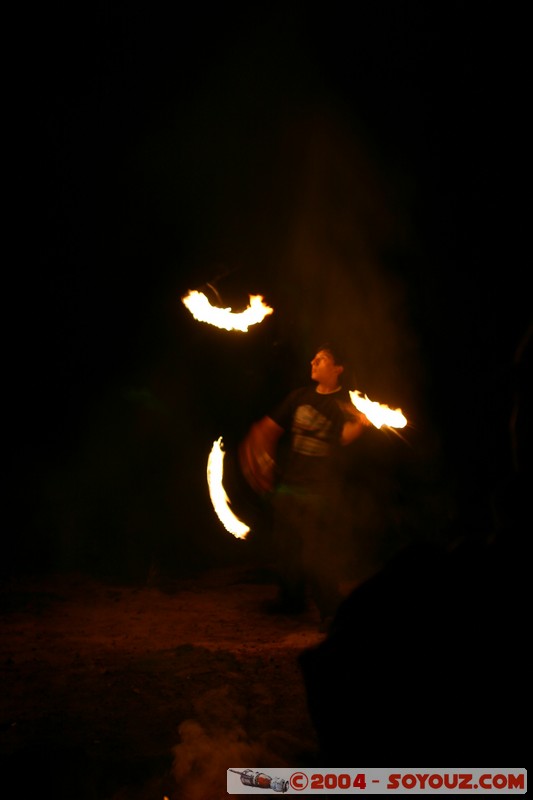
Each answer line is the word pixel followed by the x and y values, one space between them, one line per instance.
pixel 217 493
pixel 202 310
pixel 378 413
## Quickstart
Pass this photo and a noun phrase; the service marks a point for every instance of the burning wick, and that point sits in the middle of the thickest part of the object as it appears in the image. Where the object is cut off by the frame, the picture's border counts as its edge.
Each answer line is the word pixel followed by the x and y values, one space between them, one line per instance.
pixel 219 498
pixel 378 413
pixel 225 318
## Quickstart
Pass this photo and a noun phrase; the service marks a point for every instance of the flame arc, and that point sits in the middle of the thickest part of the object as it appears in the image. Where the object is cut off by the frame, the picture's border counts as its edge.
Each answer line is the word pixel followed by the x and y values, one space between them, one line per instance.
pixel 202 310
pixel 379 414
pixel 217 493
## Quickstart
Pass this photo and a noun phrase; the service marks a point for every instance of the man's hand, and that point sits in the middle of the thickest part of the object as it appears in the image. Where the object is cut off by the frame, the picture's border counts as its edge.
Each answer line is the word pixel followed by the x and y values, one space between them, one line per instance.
pixel 354 427
pixel 257 454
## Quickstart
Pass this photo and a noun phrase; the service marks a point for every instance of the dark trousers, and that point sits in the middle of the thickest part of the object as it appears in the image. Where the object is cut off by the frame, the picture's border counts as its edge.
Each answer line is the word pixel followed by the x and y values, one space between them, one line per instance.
pixel 309 548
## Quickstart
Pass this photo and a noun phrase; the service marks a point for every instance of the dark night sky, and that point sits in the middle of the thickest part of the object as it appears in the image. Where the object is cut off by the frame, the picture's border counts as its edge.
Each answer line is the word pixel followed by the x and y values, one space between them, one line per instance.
pixel 355 169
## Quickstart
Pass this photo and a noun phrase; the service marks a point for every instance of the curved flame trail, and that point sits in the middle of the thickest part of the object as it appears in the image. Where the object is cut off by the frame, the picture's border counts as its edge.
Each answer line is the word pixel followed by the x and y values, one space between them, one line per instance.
pixel 202 310
pixel 219 498
pixel 378 413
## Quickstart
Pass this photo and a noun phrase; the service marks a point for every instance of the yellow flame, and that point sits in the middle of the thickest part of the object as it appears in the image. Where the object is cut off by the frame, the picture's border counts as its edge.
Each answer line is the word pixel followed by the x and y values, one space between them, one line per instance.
pixel 378 413
pixel 219 498
pixel 202 310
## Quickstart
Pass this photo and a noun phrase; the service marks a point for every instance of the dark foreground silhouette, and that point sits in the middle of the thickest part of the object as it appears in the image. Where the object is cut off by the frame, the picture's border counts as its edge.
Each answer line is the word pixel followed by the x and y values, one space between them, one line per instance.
pixel 427 659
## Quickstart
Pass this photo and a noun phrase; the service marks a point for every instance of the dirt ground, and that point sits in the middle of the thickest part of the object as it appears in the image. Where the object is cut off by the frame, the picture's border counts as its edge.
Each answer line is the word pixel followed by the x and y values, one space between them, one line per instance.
pixel 116 692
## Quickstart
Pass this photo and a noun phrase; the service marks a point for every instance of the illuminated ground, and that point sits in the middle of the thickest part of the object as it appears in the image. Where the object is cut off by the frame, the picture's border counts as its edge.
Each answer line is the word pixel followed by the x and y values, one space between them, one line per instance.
pixel 110 691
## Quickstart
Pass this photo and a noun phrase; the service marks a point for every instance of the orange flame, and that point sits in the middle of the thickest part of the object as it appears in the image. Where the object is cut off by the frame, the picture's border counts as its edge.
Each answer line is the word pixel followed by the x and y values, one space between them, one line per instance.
pixel 202 310
pixel 378 413
pixel 219 498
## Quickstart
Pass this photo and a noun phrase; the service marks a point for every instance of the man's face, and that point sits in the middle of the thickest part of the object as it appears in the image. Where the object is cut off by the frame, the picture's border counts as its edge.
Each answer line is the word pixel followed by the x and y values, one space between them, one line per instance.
pixel 323 368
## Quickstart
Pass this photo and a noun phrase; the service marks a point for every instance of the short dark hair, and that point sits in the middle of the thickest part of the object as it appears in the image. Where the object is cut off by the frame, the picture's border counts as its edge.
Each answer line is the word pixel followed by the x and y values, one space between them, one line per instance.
pixel 338 353
pixel 334 349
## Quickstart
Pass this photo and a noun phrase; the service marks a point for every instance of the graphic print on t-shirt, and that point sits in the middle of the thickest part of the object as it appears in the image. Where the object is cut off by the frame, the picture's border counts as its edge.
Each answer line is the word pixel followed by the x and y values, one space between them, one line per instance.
pixel 311 431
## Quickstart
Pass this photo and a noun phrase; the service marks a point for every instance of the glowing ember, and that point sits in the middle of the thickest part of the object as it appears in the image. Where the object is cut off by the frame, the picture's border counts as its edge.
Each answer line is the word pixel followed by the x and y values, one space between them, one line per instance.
pixel 378 413
pixel 219 498
pixel 225 318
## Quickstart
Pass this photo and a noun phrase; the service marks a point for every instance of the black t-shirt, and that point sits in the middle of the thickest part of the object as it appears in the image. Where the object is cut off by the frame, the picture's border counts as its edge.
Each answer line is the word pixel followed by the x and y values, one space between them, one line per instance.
pixel 314 423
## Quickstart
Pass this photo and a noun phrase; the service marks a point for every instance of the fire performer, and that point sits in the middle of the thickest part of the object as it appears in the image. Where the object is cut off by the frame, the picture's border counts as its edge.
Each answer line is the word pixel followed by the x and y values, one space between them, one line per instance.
pixel 305 484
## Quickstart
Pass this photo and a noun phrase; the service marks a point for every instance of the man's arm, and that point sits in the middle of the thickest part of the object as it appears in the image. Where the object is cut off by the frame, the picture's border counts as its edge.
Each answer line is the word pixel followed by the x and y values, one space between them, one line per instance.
pixel 257 454
pixel 354 426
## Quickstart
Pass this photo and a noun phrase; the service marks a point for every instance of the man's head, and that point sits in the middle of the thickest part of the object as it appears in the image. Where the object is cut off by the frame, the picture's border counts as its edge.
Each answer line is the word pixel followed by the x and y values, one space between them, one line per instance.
pixel 327 367
pixel 335 351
